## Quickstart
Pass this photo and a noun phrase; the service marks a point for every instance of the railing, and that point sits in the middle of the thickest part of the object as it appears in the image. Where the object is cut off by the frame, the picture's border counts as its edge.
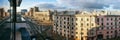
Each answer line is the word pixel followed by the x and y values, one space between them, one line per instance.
pixel 4 20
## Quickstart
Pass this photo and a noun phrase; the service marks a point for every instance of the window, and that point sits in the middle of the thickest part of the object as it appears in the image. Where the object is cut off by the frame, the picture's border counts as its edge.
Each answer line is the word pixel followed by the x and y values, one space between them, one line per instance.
pixel 81 38
pixel 68 35
pixel 111 19
pixel 72 24
pixel 111 23
pixel 76 37
pixel 107 19
pixel 102 24
pixel 57 17
pixel 111 36
pixel 101 19
pixel 82 33
pixel 107 36
pixel 87 19
pixel 72 28
pixel 92 24
pixel 76 32
pixel 81 19
pixel 92 33
pixel 72 31
pixel 102 28
pixel 111 28
pixel 76 24
pixel 64 34
pixel 107 32
pixel 64 18
pixel 81 29
pixel 68 23
pixel 115 27
pixel 64 30
pixel 76 19
pixel 81 24
pixel 64 27
pixel 68 31
pixel 72 19
pixel 107 23
pixel 97 19
pixel 72 36
pixel 76 28
pixel 87 24
pixel 64 22
pixel 107 27
pixel 67 27
pixel 100 32
pixel 68 19
pixel 111 31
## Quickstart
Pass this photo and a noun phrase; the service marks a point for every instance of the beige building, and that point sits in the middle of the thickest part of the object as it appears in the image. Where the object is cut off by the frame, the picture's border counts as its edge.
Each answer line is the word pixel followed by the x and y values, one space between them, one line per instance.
pixel 75 25
pixel 41 17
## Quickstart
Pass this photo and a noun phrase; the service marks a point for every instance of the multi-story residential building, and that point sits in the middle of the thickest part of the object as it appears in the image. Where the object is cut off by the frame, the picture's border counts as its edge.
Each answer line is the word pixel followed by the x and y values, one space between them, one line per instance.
pixel 86 25
pixel 109 26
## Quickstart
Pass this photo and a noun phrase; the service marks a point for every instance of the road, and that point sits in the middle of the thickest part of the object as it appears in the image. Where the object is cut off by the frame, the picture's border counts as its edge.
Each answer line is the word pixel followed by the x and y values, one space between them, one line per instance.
pixel 22 32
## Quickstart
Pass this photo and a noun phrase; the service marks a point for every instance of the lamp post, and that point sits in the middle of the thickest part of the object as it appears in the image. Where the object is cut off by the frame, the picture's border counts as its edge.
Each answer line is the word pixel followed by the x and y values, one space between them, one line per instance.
pixel 14 4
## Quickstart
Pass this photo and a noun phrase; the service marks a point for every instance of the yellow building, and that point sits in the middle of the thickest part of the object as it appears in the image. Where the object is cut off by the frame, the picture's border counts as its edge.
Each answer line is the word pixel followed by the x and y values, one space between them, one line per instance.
pixel 75 25
pixel 41 17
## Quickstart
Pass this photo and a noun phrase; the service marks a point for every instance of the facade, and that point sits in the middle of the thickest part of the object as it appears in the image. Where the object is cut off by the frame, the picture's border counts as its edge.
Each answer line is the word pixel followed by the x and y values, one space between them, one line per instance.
pixel 1 12
pixel 109 26
pixel 42 17
pixel 86 25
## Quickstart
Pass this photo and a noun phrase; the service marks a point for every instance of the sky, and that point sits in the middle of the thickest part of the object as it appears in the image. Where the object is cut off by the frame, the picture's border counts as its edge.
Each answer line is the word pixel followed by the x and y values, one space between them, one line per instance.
pixel 66 4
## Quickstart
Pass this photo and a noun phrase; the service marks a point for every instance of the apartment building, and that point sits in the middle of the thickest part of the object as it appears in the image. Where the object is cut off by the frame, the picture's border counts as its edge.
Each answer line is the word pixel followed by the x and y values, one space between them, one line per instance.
pixel 109 26
pixel 86 25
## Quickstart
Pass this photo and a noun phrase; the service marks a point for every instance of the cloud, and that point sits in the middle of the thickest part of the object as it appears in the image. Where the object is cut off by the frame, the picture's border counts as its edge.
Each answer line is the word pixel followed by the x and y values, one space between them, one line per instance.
pixel 81 4
pixel 49 6
pixel 96 4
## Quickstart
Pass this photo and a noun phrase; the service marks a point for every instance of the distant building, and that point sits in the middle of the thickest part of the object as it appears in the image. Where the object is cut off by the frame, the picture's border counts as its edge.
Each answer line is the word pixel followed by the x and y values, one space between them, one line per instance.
pixel 9 10
pixel 43 17
pixel 23 11
pixel 36 9
pixel 3 13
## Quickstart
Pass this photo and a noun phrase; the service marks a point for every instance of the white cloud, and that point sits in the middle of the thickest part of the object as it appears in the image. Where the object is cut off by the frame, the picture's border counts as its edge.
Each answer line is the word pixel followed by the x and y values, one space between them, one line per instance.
pixel 89 3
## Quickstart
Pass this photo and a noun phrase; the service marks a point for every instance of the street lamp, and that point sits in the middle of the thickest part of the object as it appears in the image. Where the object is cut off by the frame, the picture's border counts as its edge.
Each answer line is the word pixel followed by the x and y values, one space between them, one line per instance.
pixel 18 2
pixel 14 4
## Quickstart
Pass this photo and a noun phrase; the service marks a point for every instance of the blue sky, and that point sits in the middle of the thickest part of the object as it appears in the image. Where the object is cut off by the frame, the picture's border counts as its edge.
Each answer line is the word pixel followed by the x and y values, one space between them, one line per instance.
pixel 63 4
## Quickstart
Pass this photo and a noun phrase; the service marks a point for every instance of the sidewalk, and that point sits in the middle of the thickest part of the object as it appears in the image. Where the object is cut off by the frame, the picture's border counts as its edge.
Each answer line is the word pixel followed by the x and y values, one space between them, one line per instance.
pixel 18 36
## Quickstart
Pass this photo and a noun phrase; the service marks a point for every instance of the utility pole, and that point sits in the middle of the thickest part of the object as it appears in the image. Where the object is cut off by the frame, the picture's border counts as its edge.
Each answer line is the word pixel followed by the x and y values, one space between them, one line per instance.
pixel 14 4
